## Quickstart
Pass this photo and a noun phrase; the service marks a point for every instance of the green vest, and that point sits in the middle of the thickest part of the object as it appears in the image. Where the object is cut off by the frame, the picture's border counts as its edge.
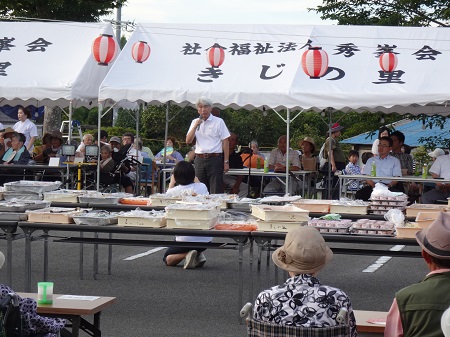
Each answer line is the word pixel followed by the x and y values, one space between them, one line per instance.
pixel 421 306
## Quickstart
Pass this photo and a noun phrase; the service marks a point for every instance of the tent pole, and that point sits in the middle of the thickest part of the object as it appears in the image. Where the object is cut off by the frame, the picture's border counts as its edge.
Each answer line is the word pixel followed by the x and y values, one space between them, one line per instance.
pixel 166 134
pixel 69 140
pixel 288 122
pixel 330 149
pixel 99 125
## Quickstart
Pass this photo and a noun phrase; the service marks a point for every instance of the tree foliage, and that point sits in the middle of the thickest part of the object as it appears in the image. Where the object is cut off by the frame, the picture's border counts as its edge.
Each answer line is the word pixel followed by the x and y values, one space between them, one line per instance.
pixel 417 13
pixel 65 10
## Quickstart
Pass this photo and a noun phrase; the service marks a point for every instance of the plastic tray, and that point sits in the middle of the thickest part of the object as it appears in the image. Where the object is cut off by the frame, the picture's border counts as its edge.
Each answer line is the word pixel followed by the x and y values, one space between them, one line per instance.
pixel 191 224
pixel 22 205
pixel 96 218
pixel 32 186
pixel 11 216
pixel 314 206
pixel 30 196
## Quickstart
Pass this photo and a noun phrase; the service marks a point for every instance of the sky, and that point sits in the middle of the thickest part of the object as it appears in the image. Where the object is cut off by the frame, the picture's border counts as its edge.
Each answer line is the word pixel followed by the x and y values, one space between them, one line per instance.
pixel 223 12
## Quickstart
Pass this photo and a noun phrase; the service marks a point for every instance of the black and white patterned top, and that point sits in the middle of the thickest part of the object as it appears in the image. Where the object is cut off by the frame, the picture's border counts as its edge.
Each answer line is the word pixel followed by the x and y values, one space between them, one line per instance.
pixel 303 301
pixel 33 323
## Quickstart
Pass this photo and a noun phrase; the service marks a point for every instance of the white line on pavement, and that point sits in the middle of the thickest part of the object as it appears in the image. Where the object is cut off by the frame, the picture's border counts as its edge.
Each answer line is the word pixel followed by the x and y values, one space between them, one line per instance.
pixel 137 256
pixel 382 260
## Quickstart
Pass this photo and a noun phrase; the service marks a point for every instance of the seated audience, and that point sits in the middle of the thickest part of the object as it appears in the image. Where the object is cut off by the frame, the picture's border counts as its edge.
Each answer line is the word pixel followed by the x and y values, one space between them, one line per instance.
pixel 172 156
pixel 5 140
pixel 439 169
pixel 417 309
pixel 256 160
pixel 55 150
pixel 386 166
pixel 277 163
pixel 103 138
pixel 406 160
pixel 302 301
pixel 107 168
pixel 437 152
pixel 146 149
pixel 307 158
pixel 38 151
pixel 183 178
pixel 235 183
pixel 17 154
pixel 115 144
pixel 88 139
pixel 364 158
pixel 33 324
pixel 353 168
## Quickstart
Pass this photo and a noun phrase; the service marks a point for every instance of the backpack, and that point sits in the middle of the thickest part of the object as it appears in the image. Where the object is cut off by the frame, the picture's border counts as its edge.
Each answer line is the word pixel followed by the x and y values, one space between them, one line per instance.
pixel 10 316
pixel 322 159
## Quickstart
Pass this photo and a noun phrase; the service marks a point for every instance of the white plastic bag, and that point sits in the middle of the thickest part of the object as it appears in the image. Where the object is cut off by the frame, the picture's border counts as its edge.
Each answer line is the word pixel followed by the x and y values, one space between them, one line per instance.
pixel 395 216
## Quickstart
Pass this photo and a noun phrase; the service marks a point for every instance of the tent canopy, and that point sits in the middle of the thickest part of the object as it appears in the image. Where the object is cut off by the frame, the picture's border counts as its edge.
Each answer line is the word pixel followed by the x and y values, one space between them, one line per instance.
pixel 262 66
pixel 50 63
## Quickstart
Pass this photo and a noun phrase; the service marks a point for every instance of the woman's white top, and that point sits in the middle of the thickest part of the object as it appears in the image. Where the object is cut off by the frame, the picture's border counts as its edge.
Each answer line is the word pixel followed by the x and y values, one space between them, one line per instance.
pixel 200 189
pixel 28 128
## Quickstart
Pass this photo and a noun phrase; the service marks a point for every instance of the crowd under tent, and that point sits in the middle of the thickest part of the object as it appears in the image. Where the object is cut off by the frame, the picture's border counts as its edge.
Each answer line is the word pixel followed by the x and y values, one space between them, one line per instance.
pixel 293 67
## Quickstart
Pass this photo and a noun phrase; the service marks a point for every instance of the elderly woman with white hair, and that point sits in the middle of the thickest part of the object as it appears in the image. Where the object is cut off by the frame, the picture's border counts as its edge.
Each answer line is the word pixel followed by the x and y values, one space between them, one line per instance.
pixel 302 301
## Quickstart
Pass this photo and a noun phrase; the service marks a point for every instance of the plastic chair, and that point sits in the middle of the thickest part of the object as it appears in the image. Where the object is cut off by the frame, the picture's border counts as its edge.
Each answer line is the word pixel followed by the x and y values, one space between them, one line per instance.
pixel 148 175
pixel 264 329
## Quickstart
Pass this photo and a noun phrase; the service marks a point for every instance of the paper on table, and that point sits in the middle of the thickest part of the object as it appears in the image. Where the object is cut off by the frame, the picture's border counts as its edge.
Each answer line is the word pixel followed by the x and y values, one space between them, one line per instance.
pixel 379 321
pixel 77 297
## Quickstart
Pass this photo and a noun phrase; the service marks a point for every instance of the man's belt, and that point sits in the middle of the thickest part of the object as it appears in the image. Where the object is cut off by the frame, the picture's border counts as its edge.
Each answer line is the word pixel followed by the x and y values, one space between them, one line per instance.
pixel 208 155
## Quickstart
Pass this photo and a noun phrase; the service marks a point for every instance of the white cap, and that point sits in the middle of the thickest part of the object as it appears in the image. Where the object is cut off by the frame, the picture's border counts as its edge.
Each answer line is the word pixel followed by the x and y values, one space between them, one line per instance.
pixel 436 153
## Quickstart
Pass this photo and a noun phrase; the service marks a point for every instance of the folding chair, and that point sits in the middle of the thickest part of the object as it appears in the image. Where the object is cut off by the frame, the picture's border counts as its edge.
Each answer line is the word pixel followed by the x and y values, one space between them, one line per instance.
pixel 148 175
pixel 264 329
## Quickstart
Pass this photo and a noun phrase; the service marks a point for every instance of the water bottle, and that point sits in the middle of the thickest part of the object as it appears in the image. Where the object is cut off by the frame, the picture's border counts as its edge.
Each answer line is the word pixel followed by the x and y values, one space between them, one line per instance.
pixel 186 158
pixel 424 171
pixel 373 173
pixel 258 163
pixel 266 165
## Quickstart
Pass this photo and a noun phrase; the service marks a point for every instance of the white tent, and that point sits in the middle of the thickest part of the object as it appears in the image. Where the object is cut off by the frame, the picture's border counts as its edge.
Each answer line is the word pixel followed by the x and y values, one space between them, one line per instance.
pixel 253 66
pixel 262 67
pixel 50 64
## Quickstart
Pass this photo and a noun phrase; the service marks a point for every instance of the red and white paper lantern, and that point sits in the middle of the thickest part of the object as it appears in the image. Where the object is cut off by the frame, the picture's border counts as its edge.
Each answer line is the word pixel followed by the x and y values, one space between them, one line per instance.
pixel 104 49
pixel 388 62
pixel 140 51
pixel 315 62
pixel 215 55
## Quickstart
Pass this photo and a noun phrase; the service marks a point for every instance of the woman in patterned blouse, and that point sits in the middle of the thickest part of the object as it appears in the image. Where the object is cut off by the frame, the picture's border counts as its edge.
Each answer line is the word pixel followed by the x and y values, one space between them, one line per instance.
pixel 302 301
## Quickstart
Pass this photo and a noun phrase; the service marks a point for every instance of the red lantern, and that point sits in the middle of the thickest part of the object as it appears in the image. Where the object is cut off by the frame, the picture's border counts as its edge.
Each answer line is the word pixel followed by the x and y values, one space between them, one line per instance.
pixel 215 55
pixel 140 51
pixel 388 62
pixel 315 62
pixel 104 49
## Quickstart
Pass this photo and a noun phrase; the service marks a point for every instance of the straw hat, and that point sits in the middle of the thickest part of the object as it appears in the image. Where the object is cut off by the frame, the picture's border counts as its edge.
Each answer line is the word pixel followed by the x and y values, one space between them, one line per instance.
pixel 7 131
pixel 435 240
pixel 436 153
pixel 336 127
pixel 304 251
pixel 309 140
pixel 2 259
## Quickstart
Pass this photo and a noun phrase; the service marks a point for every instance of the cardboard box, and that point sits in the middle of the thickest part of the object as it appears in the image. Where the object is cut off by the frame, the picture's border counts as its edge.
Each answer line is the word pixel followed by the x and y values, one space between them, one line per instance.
pixel 159 201
pixel 425 219
pixel 313 205
pixel 279 226
pixel 51 215
pixel 128 221
pixel 192 223
pixel 407 232
pixel 192 211
pixel 67 196
pixel 280 213
pixel 413 210
pixel 349 209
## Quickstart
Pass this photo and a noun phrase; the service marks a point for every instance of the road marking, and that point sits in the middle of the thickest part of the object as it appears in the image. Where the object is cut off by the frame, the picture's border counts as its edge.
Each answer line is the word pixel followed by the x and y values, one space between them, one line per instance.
pixel 137 256
pixel 382 260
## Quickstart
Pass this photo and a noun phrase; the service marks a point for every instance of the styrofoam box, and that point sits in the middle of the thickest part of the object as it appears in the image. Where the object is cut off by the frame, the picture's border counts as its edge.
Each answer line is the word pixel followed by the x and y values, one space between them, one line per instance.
pixel 414 209
pixel 279 226
pixel 191 223
pixel 280 213
pixel 66 196
pixel 348 209
pixel 46 216
pixel 153 222
pixel 407 232
pixel 425 219
pixel 193 214
pixel 313 205
pixel 160 201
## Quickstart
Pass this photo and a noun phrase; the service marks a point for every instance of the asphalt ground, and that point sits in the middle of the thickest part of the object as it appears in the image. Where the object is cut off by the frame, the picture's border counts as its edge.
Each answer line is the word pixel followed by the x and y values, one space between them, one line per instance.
pixel 161 301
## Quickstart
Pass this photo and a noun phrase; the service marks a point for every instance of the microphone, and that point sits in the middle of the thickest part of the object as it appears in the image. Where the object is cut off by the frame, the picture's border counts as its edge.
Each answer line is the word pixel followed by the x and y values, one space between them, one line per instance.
pixel 198 126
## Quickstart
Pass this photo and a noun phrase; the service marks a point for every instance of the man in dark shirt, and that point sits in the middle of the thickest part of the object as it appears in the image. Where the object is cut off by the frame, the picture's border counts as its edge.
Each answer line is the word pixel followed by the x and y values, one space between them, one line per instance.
pixel 234 183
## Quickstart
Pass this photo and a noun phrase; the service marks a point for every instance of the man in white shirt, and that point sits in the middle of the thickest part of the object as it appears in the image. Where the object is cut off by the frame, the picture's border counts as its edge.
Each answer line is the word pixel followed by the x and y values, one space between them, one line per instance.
pixel 439 169
pixel 211 149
